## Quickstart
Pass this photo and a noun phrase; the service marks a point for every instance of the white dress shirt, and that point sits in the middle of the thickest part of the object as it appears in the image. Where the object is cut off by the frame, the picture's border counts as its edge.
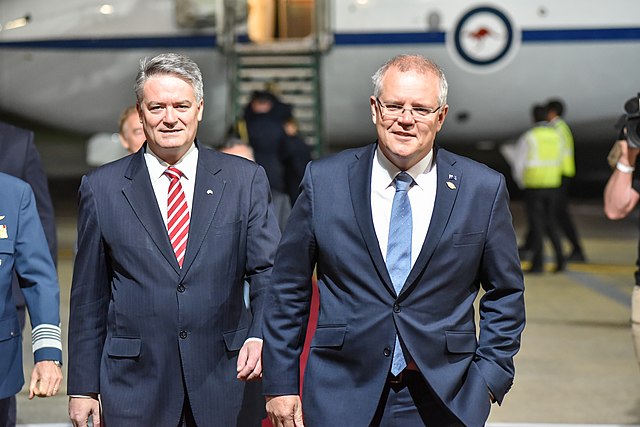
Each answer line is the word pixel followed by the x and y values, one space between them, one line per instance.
pixel 422 196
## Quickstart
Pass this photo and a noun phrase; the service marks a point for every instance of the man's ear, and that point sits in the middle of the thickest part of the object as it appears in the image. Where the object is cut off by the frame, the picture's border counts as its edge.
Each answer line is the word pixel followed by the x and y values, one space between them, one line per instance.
pixel 372 104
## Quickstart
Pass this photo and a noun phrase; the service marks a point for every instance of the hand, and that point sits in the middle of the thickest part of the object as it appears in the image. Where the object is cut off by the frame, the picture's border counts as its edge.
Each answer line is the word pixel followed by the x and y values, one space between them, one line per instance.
pixel 81 408
pixel 45 379
pixel 249 365
pixel 627 154
pixel 285 411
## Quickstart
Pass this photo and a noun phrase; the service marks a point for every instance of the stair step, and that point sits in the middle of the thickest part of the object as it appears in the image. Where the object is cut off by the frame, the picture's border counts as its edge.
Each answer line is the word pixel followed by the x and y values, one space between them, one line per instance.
pixel 282 61
pixel 282 86
pixel 275 73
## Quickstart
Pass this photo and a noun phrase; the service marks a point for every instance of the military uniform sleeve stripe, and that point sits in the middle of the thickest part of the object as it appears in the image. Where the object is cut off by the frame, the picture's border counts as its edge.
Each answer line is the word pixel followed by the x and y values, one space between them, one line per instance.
pixel 46 336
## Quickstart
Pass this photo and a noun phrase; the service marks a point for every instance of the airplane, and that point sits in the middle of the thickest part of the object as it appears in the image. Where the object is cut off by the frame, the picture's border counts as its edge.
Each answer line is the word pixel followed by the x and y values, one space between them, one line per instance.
pixel 71 65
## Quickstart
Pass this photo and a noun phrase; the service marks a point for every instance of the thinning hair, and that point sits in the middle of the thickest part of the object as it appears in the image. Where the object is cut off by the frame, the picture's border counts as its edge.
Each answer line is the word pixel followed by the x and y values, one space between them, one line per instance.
pixel 169 64
pixel 416 63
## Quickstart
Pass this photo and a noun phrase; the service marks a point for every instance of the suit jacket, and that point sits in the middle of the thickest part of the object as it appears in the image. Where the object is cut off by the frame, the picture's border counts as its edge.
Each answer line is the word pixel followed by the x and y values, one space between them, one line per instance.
pixel 141 329
pixel 470 244
pixel 19 158
pixel 24 250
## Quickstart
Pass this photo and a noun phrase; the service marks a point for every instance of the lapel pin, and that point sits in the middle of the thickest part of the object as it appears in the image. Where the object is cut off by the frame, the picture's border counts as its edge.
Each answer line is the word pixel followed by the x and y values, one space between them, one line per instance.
pixel 209 191
pixel 1 217
pixel 3 232
pixel 453 177
pixel 451 185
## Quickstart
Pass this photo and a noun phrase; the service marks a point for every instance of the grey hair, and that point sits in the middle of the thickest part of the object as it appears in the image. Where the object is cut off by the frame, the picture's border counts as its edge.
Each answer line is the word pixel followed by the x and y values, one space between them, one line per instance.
pixel 411 63
pixel 169 64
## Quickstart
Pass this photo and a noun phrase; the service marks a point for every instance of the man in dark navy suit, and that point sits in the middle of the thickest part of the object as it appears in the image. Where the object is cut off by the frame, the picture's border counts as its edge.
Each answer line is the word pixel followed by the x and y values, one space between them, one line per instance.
pixel 402 235
pixel 158 328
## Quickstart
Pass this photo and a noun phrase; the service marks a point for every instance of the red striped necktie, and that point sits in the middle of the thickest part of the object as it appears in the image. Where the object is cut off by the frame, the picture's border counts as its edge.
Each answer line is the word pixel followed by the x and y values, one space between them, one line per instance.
pixel 177 214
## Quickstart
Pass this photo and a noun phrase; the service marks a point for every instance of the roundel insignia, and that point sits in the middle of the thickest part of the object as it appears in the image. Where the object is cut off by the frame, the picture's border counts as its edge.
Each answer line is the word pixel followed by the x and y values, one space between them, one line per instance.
pixel 483 37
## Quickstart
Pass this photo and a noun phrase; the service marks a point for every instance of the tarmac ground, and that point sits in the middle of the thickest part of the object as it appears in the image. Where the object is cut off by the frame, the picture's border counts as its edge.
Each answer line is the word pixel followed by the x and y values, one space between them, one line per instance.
pixel 577 365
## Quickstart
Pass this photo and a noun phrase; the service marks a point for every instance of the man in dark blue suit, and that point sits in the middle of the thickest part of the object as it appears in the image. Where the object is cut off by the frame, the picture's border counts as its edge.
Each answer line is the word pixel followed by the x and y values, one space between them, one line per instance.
pixel 24 252
pixel 158 328
pixel 20 158
pixel 402 234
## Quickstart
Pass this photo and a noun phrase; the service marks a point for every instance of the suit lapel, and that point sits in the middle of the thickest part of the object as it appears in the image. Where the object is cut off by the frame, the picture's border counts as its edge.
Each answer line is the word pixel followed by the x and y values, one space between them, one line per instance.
pixel 140 195
pixel 448 182
pixel 360 188
pixel 206 198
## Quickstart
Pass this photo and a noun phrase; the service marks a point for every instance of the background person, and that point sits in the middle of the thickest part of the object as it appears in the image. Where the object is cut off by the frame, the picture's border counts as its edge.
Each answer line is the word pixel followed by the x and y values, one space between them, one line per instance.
pixel 621 196
pixel 25 253
pixel 281 202
pixel 131 133
pixel 395 342
pixel 566 224
pixel 299 154
pixel 158 328
pixel 536 164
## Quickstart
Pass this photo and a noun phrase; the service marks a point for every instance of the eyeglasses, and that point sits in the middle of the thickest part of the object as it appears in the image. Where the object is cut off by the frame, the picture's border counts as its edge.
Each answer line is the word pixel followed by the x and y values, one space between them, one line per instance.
pixel 393 111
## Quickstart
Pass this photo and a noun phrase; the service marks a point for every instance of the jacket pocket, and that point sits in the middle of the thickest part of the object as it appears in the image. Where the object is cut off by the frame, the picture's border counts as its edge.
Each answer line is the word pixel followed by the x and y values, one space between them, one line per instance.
pixel 461 342
pixel 234 340
pixel 468 239
pixel 124 347
pixel 7 246
pixel 9 328
pixel 329 336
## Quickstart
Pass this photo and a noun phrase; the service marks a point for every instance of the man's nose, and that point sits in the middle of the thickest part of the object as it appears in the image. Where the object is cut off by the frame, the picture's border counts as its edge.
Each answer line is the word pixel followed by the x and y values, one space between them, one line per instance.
pixel 170 116
pixel 406 116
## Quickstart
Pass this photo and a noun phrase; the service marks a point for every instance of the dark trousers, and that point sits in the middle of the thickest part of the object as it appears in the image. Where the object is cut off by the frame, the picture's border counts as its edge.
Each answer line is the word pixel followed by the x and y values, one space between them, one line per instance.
pixel 565 222
pixel 9 418
pixel 186 419
pixel 412 403
pixel 4 410
pixel 541 204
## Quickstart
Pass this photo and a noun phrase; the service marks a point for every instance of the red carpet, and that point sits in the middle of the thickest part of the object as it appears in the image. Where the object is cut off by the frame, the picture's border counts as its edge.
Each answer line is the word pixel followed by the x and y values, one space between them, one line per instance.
pixel 311 328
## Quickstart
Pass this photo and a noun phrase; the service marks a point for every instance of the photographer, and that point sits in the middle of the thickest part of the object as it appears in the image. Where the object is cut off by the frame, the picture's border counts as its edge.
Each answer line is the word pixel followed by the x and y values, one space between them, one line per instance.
pixel 621 195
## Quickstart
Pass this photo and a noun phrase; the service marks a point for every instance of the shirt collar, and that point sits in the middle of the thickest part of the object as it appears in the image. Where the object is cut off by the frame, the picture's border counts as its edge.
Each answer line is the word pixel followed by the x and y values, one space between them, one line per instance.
pixel 187 164
pixel 386 172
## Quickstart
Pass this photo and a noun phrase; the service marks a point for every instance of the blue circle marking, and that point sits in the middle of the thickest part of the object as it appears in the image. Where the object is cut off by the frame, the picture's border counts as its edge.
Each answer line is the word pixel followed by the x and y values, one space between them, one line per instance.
pixel 482 33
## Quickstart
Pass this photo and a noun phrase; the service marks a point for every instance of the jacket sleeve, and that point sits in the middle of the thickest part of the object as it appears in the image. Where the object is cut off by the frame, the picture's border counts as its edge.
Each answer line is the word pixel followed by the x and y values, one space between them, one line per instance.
pixel 502 311
pixel 90 293
pixel 263 235
pixel 38 280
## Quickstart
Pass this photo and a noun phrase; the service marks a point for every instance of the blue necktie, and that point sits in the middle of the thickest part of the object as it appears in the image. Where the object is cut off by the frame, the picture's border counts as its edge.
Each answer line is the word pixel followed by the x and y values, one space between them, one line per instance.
pixel 399 250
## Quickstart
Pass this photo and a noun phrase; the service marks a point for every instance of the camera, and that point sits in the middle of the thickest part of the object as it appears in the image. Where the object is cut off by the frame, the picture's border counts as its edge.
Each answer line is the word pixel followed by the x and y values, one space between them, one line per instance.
pixel 628 124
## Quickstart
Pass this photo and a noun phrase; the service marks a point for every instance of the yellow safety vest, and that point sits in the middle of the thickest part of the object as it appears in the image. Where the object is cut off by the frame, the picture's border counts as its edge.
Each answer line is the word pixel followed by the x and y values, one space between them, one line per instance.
pixel 543 168
pixel 568 157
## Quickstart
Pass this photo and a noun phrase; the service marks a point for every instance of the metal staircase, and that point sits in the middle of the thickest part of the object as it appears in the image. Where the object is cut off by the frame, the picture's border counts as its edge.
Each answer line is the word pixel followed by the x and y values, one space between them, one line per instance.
pixel 288 69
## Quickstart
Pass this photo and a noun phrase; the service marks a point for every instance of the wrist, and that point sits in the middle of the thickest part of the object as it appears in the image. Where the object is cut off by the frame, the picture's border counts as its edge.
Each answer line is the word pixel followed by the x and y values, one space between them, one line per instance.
pixel 624 168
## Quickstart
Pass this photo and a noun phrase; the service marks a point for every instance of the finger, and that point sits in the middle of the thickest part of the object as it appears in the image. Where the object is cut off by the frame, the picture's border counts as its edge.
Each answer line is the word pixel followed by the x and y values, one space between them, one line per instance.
pixel 256 372
pixel 242 359
pixel 33 385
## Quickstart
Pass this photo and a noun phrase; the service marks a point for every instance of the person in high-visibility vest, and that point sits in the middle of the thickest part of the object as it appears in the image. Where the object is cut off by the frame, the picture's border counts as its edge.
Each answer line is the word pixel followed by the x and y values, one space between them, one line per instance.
pixel 538 171
pixel 555 110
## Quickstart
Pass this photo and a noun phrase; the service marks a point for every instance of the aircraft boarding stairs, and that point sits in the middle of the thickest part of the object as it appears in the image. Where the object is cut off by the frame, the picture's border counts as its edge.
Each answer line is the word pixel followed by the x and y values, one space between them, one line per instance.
pixel 288 69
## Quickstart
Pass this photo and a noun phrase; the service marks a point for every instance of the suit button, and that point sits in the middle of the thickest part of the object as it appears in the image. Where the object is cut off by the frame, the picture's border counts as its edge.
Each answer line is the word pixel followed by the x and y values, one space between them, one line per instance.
pixel 387 352
pixel 396 308
pixel 181 288
pixel 183 334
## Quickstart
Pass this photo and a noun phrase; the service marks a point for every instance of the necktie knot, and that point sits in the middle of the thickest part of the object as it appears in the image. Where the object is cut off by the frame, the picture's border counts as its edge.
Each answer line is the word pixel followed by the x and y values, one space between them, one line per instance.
pixel 173 173
pixel 403 181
